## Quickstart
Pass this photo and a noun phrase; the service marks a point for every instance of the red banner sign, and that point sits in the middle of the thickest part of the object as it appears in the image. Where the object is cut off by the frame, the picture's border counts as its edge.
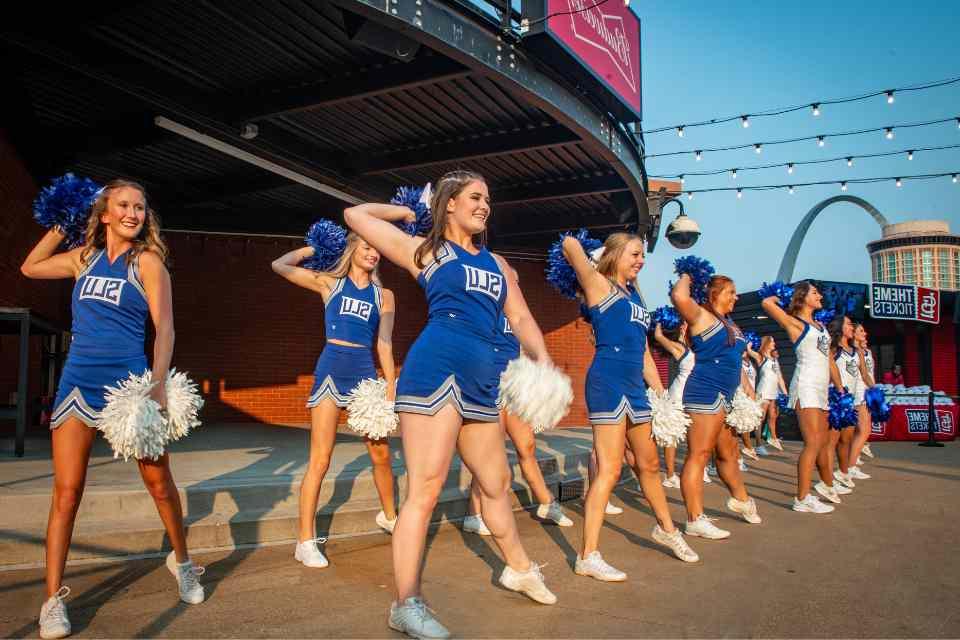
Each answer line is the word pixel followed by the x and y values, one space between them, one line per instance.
pixel 605 39
pixel 928 305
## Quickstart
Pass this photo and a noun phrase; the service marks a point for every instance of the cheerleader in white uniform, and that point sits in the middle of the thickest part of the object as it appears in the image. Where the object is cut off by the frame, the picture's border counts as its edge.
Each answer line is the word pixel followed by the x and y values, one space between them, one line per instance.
pixel 847 361
pixel 864 421
pixel 771 383
pixel 749 376
pixel 808 387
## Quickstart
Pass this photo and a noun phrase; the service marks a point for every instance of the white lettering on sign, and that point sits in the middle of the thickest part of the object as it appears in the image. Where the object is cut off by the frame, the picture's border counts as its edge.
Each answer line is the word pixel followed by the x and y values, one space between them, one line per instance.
pixel 609 30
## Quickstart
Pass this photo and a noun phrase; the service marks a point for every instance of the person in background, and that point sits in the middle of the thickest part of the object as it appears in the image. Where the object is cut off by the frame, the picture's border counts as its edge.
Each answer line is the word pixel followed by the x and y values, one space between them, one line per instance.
pixel 894 376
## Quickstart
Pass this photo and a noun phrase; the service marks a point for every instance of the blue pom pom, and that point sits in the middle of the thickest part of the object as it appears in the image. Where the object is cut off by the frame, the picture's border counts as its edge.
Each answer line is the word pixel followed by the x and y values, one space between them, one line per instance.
pixel 783 291
pixel 328 240
pixel 824 316
pixel 410 197
pixel 559 273
pixel 842 412
pixel 783 401
pixel 700 272
pixel 876 401
pixel 667 317
pixel 753 339
pixel 67 202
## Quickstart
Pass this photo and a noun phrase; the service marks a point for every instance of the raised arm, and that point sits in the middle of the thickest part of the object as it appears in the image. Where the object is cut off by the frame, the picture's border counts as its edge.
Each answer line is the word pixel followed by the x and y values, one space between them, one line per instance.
pixel 385 343
pixel 43 263
pixel 373 223
pixel 672 347
pixel 756 357
pixel 522 322
pixel 650 374
pixel 595 286
pixel 286 266
pixel 156 284
pixel 791 325
pixel 687 307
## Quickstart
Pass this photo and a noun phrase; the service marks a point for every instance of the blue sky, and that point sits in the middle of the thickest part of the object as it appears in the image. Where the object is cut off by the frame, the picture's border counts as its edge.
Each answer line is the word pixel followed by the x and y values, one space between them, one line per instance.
pixel 707 59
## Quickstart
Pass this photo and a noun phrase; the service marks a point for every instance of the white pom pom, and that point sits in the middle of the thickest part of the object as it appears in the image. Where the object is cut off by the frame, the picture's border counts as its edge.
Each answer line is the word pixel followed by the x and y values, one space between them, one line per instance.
pixel 670 423
pixel 369 413
pixel 539 394
pixel 131 421
pixel 747 414
pixel 183 404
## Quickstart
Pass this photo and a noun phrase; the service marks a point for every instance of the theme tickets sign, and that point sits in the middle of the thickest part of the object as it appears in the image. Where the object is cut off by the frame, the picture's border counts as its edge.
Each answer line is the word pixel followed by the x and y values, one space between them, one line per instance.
pixel 605 38
pixel 904 302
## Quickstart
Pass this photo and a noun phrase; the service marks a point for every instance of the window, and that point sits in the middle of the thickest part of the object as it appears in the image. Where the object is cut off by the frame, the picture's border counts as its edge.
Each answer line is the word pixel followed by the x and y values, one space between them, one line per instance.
pixel 926 268
pixel 891 272
pixel 877 269
pixel 956 269
pixel 908 274
pixel 943 269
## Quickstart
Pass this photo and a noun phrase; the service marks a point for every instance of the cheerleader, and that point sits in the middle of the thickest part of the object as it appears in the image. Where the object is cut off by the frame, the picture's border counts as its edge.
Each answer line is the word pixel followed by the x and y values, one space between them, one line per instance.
pixel 525 444
pixel 749 386
pixel 847 361
pixel 864 420
pixel 447 391
pixel 356 308
pixel 808 388
pixel 770 385
pixel 707 397
pixel 121 278
pixel 616 395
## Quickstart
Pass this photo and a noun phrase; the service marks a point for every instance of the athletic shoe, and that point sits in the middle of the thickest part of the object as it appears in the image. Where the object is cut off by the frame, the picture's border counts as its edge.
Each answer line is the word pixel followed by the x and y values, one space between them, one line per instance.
pixel 750 453
pixel 675 542
pixel 827 492
pixel 842 489
pixel 747 509
pixel 553 512
pixel 762 451
pixel 743 466
pixel 186 573
pixel 859 475
pixel 860 460
pixel 414 618
pixel 310 555
pixel 706 476
pixel 612 509
pixel 775 443
pixel 474 524
pixel 673 482
pixel 843 478
pixel 594 566
pixel 867 451
pixel 385 524
pixel 810 504
pixel 529 583
pixel 54 622
pixel 703 527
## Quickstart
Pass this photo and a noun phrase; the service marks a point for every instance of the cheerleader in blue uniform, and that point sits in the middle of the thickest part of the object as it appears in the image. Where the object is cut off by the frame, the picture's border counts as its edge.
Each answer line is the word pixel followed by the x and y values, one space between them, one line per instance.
pixel 808 388
pixel 616 395
pixel 121 278
pixel 708 395
pixel 447 391
pixel 356 309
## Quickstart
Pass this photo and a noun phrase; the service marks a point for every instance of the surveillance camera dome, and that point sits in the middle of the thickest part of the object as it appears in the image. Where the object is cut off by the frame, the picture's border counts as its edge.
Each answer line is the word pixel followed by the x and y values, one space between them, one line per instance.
pixel 683 232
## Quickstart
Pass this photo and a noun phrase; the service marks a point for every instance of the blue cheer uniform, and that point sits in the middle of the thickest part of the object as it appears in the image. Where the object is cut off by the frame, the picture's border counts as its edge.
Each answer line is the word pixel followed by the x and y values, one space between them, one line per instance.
pixel 716 373
pixel 351 314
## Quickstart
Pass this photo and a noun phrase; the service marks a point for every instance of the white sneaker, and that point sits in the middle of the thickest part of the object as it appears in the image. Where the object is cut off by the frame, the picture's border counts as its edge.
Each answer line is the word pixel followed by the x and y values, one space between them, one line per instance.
pixel 474 524
pixel 384 523
pixel 612 509
pixel 750 453
pixel 859 475
pixel 762 451
pixel 54 622
pixel 673 482
pixel 675 542
pixel 747 509
pixel 866 450
pixel 810 504
pixel 842 489
pixel 743 466
pixel 186 573
pixel 414 618
pixel 594 566
pixel 554 512
pixel 843 478
pixel 775 443
pixel 706 476
pixel 703 527
pixel 310 555
pixel 827 492
pixel 860 460
pixel 529 583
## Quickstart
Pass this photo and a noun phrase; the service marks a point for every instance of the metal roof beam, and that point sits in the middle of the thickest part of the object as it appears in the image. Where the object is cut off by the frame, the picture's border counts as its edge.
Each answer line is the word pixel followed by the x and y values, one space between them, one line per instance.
pixel 558 189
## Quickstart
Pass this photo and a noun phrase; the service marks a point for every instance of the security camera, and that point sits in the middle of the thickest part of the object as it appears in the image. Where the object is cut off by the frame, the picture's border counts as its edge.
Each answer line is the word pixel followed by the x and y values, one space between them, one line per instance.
pixel 683 232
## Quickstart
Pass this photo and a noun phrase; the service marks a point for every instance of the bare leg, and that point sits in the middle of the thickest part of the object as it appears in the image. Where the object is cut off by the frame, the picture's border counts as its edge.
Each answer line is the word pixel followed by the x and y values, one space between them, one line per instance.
pixel 159 482
pixel 323 433
pixel 864 424
pixel 526 445
pixel 71 453
pixel 727 467
pixel 379 451
pixel 608 444
pixel 814 439
pixel 843 449
pixel 826 455
pixel 647 468
pixel 701 441
pixel 773 411
pixel 670 458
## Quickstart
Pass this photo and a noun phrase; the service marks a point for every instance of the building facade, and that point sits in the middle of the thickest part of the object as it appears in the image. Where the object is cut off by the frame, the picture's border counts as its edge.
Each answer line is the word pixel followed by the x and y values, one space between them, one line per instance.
pixel 920 252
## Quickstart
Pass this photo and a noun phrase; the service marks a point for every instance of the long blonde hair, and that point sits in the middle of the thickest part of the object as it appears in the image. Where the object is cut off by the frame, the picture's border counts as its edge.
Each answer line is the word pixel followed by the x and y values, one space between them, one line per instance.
pixel 149 239
pixel 449 186
pixel 342 266
pixel 613 248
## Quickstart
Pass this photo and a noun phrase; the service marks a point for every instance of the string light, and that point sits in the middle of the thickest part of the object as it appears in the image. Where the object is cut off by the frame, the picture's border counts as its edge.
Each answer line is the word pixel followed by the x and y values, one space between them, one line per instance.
pixel 680 131
pixel 699 156
pixel 843 186
pixel 739 193
pixel 790 189
pixel 681 178
pixel 790 168
pixel 958 123
pixel 953 175
pixel 745 121
pixel 899 182
pixel 890 97
pixel 758 147
pixel 821 141
pixel 733 173
pixel 689 196
pixel 909 155
pixel 816 108
pixel 888 132
pixel 850 161
pixel 954 178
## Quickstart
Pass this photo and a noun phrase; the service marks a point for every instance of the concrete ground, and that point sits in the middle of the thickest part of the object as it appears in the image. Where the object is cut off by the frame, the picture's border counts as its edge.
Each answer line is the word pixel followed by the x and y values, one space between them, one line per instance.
pixel 882 565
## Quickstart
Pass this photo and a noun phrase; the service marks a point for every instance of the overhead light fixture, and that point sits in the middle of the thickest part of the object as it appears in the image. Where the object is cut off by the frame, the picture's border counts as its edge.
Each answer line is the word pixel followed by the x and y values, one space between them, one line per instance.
pixel 249 131
pixel 816 108
pixel 246 156
pixel 745 121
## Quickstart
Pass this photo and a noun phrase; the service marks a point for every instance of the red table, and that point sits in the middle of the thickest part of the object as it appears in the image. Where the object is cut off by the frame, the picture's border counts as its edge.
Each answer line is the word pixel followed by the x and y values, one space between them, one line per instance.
pixel 909 422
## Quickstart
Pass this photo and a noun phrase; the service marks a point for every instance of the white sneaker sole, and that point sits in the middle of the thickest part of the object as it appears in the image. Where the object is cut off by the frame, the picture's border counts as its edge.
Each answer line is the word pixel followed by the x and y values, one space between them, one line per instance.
pixel 802 508
pixel 600 577
pixel 401 629
pixel 53 635
pixel 693 534
pixel 296 556
pixel 827 496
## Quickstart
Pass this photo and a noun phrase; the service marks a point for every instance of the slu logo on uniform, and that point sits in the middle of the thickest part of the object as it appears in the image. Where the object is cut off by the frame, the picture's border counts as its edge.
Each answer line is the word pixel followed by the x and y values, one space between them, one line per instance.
pixel 852 367
pixel 353 307
pixel 506 326
pixel 639 314
pixel 484 281
pixel 104 289
pixel 823 344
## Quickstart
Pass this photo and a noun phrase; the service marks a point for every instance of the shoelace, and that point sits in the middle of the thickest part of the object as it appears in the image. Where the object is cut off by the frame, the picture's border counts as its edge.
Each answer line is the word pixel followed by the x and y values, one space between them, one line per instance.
pixel 58 612
pixel 422 612
pixel 189 575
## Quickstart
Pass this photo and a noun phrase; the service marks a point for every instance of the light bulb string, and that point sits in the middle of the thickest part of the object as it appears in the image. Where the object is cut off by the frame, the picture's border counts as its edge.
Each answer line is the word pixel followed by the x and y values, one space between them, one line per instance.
pixel 795 185
pixel 838 134
pixel 813 103
pixel 846 158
